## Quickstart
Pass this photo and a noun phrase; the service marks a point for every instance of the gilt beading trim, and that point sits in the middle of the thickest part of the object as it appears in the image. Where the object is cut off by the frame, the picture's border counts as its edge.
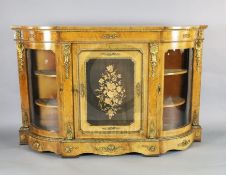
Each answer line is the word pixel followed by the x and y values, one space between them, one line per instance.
pixel 67 58
pixel 200 34
pixel 109 148
pixel 152 130
pixel 24 117
pixel 150 148
pixel 36 146
pixel 138 89
pixel 198 54
pixel 184 143
pixel 195 118
pixel 154 49
pixel 18 35
pixel 69 149
pixel 110 92
pixel 69 131
pixel 20 51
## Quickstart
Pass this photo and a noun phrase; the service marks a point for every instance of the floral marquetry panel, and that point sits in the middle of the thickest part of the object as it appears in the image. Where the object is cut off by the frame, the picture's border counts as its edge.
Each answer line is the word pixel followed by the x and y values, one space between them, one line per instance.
pixel 110 93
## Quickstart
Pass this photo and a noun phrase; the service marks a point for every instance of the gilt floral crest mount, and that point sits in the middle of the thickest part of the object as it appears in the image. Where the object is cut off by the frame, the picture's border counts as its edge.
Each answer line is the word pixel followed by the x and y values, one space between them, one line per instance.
pixel 111 92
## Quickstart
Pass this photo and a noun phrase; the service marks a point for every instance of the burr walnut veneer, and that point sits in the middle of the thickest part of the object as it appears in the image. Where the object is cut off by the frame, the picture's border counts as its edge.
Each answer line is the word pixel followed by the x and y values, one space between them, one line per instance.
pixel 109 90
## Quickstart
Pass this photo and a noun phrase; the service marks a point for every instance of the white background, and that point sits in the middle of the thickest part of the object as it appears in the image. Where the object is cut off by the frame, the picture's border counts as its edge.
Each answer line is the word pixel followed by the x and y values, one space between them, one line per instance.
pixel 207 157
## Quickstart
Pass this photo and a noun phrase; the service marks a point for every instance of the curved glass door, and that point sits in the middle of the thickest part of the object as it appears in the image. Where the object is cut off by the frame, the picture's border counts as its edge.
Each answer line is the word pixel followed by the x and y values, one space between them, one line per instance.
pixel 43 89
pixel 177 88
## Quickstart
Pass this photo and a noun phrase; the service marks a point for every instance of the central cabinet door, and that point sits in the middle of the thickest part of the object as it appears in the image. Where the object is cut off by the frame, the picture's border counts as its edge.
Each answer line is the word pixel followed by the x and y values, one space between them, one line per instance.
pixel 110 96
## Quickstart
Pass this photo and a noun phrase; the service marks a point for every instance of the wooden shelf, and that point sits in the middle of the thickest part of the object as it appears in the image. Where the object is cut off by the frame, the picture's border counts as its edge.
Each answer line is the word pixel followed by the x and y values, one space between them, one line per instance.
pixel 175 71
pixel 173 102
pixel 46 73
pixel 45 102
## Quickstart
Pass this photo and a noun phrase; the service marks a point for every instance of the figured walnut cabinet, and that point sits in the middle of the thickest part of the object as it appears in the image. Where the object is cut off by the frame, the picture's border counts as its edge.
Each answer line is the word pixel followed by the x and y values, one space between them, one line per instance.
pixel 109 90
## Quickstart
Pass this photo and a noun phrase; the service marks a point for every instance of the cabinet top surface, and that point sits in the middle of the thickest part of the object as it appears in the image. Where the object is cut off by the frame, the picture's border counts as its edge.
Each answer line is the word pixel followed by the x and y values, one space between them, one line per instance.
pixel 107 28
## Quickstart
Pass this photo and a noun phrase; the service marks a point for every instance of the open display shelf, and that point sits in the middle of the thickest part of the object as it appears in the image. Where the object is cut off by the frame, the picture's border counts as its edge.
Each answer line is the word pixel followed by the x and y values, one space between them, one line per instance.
pixel 173 102
pixel 47 73
pixel 175 72
pixel 48 103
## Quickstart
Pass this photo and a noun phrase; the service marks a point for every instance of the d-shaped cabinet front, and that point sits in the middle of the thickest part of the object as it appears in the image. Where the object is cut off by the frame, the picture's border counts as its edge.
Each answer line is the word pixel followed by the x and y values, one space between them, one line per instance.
pixel 109 91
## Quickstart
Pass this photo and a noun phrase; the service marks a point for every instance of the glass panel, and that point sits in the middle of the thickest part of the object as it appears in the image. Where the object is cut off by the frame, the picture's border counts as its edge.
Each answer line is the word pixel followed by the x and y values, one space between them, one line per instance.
pixel 110 93
pixel 177 88
pixel 43 89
